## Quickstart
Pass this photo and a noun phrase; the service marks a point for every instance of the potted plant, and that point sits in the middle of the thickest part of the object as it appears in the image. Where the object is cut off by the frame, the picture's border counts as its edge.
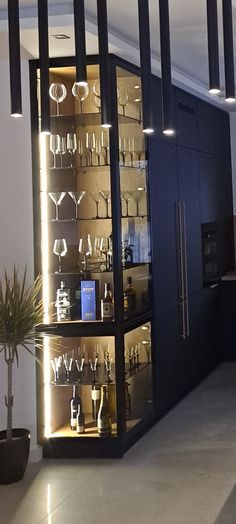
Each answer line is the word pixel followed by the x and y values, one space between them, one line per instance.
pixel 20 312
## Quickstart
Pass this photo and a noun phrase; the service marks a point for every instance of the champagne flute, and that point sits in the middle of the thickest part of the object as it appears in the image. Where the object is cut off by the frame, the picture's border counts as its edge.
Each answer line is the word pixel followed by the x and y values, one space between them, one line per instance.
pixel 60 249
pixel 57 200
pixel 105 248
pixel 137 195
pixel 77 197
pixel 80 92
pixel 90 141
pixel 105 144
pixel 62 147
pixel 71 145
pixel 131 148
pixel 123 147
pixel 54 147
pixel 107 197
pixel 85 248
pixel 58 93
pixel 125 196
pixel 80 151
pixel 98 150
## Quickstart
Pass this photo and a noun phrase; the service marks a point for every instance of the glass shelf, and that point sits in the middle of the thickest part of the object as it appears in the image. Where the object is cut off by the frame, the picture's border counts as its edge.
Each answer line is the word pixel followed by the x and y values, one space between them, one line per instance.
pixel 93 271
pixel 89 119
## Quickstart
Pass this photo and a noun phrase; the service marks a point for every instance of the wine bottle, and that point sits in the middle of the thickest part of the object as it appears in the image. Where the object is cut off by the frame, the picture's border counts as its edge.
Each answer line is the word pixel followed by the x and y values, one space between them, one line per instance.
pixel 96 398
pixel 107 310
pixel 104 417
pixel 80 424
pixel 63 303
pixel 129 296
pixel 75 403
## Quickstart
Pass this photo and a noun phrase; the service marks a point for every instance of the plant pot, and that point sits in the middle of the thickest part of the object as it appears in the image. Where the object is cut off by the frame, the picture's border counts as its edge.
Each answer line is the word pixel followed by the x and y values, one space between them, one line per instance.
pixel 14 455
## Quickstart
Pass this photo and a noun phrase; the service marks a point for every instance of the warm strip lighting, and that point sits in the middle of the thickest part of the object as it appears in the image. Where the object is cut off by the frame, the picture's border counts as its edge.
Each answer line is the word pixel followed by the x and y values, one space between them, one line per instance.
pixel 47 388
pixel 44 224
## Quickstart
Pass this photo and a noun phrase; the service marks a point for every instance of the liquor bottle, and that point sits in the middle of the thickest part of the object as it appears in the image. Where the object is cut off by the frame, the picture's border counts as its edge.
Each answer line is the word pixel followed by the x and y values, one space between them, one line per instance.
pixel 80 424
pixel 63 303
pixel 104 417
pixel 96 398
pixel 107 310
pixel 129 296
pixel 75 404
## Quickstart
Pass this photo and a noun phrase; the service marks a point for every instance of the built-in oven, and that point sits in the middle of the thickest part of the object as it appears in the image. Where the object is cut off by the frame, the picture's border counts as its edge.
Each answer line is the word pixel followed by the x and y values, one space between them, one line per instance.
pixel 210 253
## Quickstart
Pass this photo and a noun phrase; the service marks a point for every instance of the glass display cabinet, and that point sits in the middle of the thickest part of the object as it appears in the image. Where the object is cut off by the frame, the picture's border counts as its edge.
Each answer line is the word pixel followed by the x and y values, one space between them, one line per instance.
pixel 93 249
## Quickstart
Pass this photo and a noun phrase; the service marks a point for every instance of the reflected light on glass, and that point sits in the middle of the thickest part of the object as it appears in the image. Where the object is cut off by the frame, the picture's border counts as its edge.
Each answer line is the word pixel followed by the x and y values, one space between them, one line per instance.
pixel 49 504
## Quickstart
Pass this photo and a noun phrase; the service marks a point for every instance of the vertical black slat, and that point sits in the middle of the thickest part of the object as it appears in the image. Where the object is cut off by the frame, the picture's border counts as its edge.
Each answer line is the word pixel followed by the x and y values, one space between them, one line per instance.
pixel 145 62
pixel 228 49
pixel 213 46
pixel 44 65
pixel 117 266
pixel 167 94
pixel 14 57
pixel 104 63
pixel 80 43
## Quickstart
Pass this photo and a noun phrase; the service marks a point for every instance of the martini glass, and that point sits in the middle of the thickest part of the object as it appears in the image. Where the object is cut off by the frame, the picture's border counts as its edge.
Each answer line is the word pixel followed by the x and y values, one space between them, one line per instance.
pixel 137 195
pixel 85 248
pixel 97 197
pixel 58 93
pixel 107 197
pixel 54 147
pixel 76 197
pixel 80 92
pixel 71 144
pixel 60 249
pixel 57 199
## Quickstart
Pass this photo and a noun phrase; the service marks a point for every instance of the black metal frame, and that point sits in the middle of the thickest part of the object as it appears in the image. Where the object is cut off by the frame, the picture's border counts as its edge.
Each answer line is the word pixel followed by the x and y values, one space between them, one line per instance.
pixel 213 46
pixel 166 86
pixel 44 64
pixel 77 447
pixel 14 57
pixel 80 43
pixel 228 49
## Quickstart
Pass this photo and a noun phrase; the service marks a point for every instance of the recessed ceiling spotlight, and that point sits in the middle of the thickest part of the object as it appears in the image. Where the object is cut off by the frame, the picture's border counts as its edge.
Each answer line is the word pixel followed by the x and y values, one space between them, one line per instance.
pixel 61 36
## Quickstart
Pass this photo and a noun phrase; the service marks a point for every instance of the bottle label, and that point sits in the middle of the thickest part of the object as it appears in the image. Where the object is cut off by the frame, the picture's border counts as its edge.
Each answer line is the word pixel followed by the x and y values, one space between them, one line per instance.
pixel 80 429
pixel 107 309
pixel 73 423
pixel 96 394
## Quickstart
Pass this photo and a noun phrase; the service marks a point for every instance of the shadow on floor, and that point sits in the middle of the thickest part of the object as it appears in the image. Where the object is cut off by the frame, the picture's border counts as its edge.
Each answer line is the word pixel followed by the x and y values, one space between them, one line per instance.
pixel 228 512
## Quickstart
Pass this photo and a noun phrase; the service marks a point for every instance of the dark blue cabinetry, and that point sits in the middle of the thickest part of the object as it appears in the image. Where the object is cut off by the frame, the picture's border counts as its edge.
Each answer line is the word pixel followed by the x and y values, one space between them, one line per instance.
pixel 186 119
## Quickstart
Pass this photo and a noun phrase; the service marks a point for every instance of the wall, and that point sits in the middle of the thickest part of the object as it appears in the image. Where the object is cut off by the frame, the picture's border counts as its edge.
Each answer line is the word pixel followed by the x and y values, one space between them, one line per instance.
pixel 16 236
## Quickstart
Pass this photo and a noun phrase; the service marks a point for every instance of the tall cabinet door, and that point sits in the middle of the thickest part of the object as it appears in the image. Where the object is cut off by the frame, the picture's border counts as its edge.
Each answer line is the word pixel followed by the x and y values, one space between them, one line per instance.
pixel 189 194
pixel 164 194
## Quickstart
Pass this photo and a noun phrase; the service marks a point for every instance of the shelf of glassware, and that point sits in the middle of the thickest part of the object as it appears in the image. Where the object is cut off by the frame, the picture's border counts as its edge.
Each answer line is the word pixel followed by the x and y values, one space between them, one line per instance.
pixel 89 119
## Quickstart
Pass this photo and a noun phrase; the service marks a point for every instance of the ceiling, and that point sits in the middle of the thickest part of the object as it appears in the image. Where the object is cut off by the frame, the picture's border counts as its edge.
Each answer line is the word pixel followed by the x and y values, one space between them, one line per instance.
pixel 188 36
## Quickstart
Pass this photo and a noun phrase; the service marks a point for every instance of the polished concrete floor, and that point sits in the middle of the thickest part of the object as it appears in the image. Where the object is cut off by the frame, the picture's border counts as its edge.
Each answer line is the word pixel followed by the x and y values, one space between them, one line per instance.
pixel 182 472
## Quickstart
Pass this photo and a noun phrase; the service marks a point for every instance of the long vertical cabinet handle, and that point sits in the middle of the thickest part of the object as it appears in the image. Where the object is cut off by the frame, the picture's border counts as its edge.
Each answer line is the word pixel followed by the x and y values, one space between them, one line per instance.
pixel 181 268
pixel 183 216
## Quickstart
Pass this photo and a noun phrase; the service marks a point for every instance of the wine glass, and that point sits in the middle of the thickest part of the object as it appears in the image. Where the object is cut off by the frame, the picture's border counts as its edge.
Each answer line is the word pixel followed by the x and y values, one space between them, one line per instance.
pixel 107 197
pixel 96 101
pixel 131 148
pixel 123 99
pixel 80 151
pixel 62 147
pixel 71 145
pixel 60 249
pixel 105 144
pixel 77 197
pixel 106 249
pixel 58 93
pixel 97 88
pixel 90 144
pixel 85 248
pixel 96 198
pixel 80 92
pixel 125 196
pixel 54 147
pixel 57 199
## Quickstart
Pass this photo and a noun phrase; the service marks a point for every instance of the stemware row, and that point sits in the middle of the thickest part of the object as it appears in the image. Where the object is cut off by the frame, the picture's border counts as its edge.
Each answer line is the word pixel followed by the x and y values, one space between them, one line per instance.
pixel 100 248
pixel 91 150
